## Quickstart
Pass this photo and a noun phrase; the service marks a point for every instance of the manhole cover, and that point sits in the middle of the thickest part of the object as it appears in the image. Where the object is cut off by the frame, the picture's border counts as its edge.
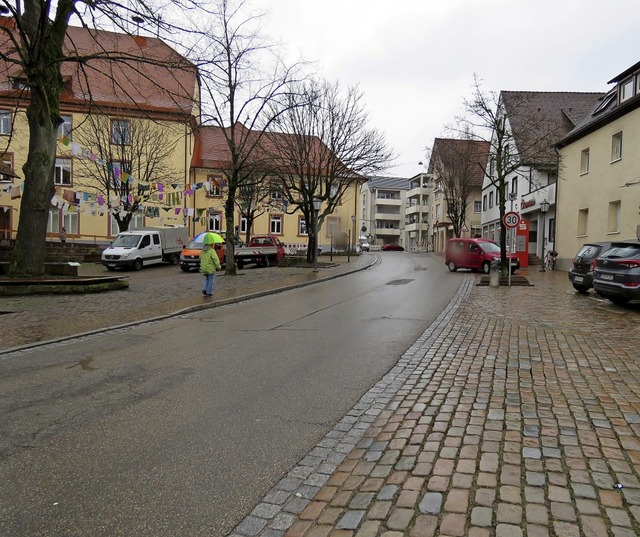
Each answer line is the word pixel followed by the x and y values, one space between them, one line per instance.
pixel 399 282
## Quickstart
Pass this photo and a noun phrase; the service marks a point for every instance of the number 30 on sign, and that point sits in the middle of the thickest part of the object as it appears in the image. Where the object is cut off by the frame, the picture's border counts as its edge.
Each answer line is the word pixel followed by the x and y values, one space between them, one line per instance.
pixel 511 219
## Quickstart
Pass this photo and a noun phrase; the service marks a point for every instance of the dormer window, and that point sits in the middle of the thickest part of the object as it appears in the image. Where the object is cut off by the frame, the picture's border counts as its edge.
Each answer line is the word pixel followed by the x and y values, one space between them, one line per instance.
pixel 626 90
pixel 20 84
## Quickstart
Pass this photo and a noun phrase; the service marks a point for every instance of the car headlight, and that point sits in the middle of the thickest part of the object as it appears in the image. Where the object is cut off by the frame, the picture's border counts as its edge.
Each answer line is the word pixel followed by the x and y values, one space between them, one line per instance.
pixel 125 256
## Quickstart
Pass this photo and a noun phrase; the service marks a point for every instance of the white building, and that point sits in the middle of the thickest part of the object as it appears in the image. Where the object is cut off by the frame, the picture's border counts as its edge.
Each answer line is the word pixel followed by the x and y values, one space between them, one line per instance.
pixel 382 216
pixel 535 122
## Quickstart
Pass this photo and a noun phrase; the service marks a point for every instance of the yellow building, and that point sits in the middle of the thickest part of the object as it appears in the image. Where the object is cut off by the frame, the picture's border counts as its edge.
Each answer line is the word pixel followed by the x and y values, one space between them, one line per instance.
pixel 131 142
pixel 207 206
pixel 159 98
pixel 599 190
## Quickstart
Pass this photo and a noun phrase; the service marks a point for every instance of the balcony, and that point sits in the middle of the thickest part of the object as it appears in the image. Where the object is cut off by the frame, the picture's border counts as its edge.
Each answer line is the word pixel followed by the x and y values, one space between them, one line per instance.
pixel 417 192
pixel 395 217
pixel 417 226
pixel 388 202
pixel 387 232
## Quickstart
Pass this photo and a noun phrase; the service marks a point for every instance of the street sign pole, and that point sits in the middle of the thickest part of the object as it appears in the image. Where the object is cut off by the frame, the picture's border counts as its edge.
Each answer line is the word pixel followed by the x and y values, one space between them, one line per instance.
pixel 511 221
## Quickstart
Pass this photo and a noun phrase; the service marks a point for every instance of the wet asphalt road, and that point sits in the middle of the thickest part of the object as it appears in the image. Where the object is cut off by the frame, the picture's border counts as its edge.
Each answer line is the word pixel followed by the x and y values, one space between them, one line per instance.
pixel 180 426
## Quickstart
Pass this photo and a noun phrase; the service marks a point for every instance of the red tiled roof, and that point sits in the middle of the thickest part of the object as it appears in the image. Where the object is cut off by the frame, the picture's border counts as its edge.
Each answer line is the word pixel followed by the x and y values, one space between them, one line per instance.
pixel 120 70
pixel 212 148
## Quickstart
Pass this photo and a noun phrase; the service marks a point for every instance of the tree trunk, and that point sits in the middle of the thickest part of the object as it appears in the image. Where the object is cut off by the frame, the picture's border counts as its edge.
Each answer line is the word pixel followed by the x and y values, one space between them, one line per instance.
pixel 29 253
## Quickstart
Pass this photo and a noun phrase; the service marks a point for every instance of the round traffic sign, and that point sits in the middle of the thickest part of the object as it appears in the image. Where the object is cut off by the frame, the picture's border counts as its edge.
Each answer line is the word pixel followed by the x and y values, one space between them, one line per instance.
pixel 511 219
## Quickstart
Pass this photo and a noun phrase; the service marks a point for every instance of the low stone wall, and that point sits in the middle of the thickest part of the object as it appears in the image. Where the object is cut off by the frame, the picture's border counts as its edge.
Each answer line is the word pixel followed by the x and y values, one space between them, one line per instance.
pixel 50 269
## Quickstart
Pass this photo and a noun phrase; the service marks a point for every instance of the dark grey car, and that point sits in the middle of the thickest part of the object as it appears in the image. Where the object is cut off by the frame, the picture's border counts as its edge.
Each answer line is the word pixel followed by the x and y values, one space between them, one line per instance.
pixel 581 271
pixel 616 275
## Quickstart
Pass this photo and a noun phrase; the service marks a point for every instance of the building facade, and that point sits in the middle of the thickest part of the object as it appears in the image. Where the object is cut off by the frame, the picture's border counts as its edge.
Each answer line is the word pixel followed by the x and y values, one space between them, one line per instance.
pixel 382 212
pixel 599 190
pixel 534 122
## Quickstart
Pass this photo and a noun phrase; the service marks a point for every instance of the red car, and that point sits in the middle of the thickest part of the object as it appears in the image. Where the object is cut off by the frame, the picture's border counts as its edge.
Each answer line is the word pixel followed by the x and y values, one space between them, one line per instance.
pixel 392 247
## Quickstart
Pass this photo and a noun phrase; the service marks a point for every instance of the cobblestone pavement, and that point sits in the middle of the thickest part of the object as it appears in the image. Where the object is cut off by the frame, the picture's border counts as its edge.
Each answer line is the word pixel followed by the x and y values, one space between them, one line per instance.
pixel 153 292
pixel 516 413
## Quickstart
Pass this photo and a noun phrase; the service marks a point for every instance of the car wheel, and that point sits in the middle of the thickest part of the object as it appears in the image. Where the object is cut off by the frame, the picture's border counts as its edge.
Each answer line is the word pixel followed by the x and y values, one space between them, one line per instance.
pixel 618 300
pixel 174 259
pixel 580 288
pixel 184 268
pixel 111 269
pixel 486 267
pixel 240 264
pixel 137 264
pixel 452 266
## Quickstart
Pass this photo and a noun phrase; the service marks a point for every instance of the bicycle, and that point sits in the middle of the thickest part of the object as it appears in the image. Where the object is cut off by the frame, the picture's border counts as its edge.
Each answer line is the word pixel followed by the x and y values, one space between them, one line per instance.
pixel 550 260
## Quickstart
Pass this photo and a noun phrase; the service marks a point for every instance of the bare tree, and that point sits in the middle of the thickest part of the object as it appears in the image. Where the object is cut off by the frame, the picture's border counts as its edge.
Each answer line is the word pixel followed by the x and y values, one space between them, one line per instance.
pixel 325 146
pixel 131 157
pixel 254 198
pixel 35 43
pixel 459 166
pixel 245 85
pixel 520 134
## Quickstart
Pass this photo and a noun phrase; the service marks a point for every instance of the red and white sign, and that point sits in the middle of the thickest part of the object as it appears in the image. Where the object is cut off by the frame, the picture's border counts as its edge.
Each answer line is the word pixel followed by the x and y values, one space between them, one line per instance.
pixel 511 219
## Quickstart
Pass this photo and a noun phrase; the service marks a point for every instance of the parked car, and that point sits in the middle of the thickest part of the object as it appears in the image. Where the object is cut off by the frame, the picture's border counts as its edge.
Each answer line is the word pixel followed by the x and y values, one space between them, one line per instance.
pixel 581 271
pixel 616 274
pixel 475 254
pixel 392 247
pixel 190 256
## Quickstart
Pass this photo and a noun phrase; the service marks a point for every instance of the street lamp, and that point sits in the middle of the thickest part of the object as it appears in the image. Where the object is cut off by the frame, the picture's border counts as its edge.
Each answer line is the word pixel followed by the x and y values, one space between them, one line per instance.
pixel 544 207
pixel 352 244
pixel 317 205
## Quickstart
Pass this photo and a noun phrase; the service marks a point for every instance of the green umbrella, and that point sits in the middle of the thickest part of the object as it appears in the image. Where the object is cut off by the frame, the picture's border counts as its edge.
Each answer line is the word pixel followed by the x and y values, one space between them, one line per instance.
pixel 211 237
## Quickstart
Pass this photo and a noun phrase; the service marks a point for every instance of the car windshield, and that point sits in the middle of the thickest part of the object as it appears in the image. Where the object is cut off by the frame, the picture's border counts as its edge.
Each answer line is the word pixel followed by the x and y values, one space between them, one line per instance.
pixel 126 241
pixel 490 247
pixel 194 245
pixel 621 251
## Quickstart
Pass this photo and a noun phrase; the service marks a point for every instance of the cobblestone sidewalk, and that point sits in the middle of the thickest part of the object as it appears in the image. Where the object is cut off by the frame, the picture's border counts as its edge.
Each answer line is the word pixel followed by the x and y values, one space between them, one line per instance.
pixel 516 413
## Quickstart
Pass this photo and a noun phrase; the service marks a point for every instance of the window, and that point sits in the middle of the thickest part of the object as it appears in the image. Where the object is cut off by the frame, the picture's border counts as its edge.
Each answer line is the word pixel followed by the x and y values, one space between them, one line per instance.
pixel 616 146
pixel 7 160
pixel 70 222
pixel 437 211
pixel 514 185
pixel 275 225
pixel 64 129
pixel 613 222
pixel 215 186
pixel 137 221
pixel 302 226
pixel 626 90
pixel 276 192
pixel 62 172
pixel 584 161
pixel 583 222
pixel 484 202
pixel 120 132
pixel 477 207
pixel 243 224
pixel 215 222
pixel 53 224
pixel 490 200
pixel 5 122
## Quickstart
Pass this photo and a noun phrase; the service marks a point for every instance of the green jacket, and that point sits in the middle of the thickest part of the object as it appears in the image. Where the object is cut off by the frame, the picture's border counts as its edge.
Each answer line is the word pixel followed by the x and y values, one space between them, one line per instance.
pixel 209 261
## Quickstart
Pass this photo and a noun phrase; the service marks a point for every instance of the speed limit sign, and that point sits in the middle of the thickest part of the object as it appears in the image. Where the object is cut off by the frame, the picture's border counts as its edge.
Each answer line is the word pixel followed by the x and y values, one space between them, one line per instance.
pixel 511 219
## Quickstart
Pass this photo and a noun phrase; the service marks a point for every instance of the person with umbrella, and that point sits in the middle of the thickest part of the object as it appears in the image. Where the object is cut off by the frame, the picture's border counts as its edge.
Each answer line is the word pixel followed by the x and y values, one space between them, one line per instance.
pixel 209 263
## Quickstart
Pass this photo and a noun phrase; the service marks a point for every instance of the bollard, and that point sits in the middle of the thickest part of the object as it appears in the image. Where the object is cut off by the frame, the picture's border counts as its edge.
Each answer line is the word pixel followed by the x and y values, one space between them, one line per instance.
pixel 494 274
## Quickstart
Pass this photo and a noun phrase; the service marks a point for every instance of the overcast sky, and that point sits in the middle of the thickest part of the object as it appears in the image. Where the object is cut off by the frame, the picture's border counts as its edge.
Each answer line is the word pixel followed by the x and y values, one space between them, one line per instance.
pixel 415 59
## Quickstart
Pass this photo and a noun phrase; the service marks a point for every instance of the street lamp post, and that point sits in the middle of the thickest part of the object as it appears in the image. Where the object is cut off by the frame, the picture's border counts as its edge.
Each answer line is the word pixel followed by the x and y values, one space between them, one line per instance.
pixel 317 205
pixel 544 207
pixel 353 224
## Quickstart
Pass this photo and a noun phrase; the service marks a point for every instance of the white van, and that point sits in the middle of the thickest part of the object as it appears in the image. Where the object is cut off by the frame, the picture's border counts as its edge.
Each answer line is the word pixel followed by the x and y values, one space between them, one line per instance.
pixel 145 246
